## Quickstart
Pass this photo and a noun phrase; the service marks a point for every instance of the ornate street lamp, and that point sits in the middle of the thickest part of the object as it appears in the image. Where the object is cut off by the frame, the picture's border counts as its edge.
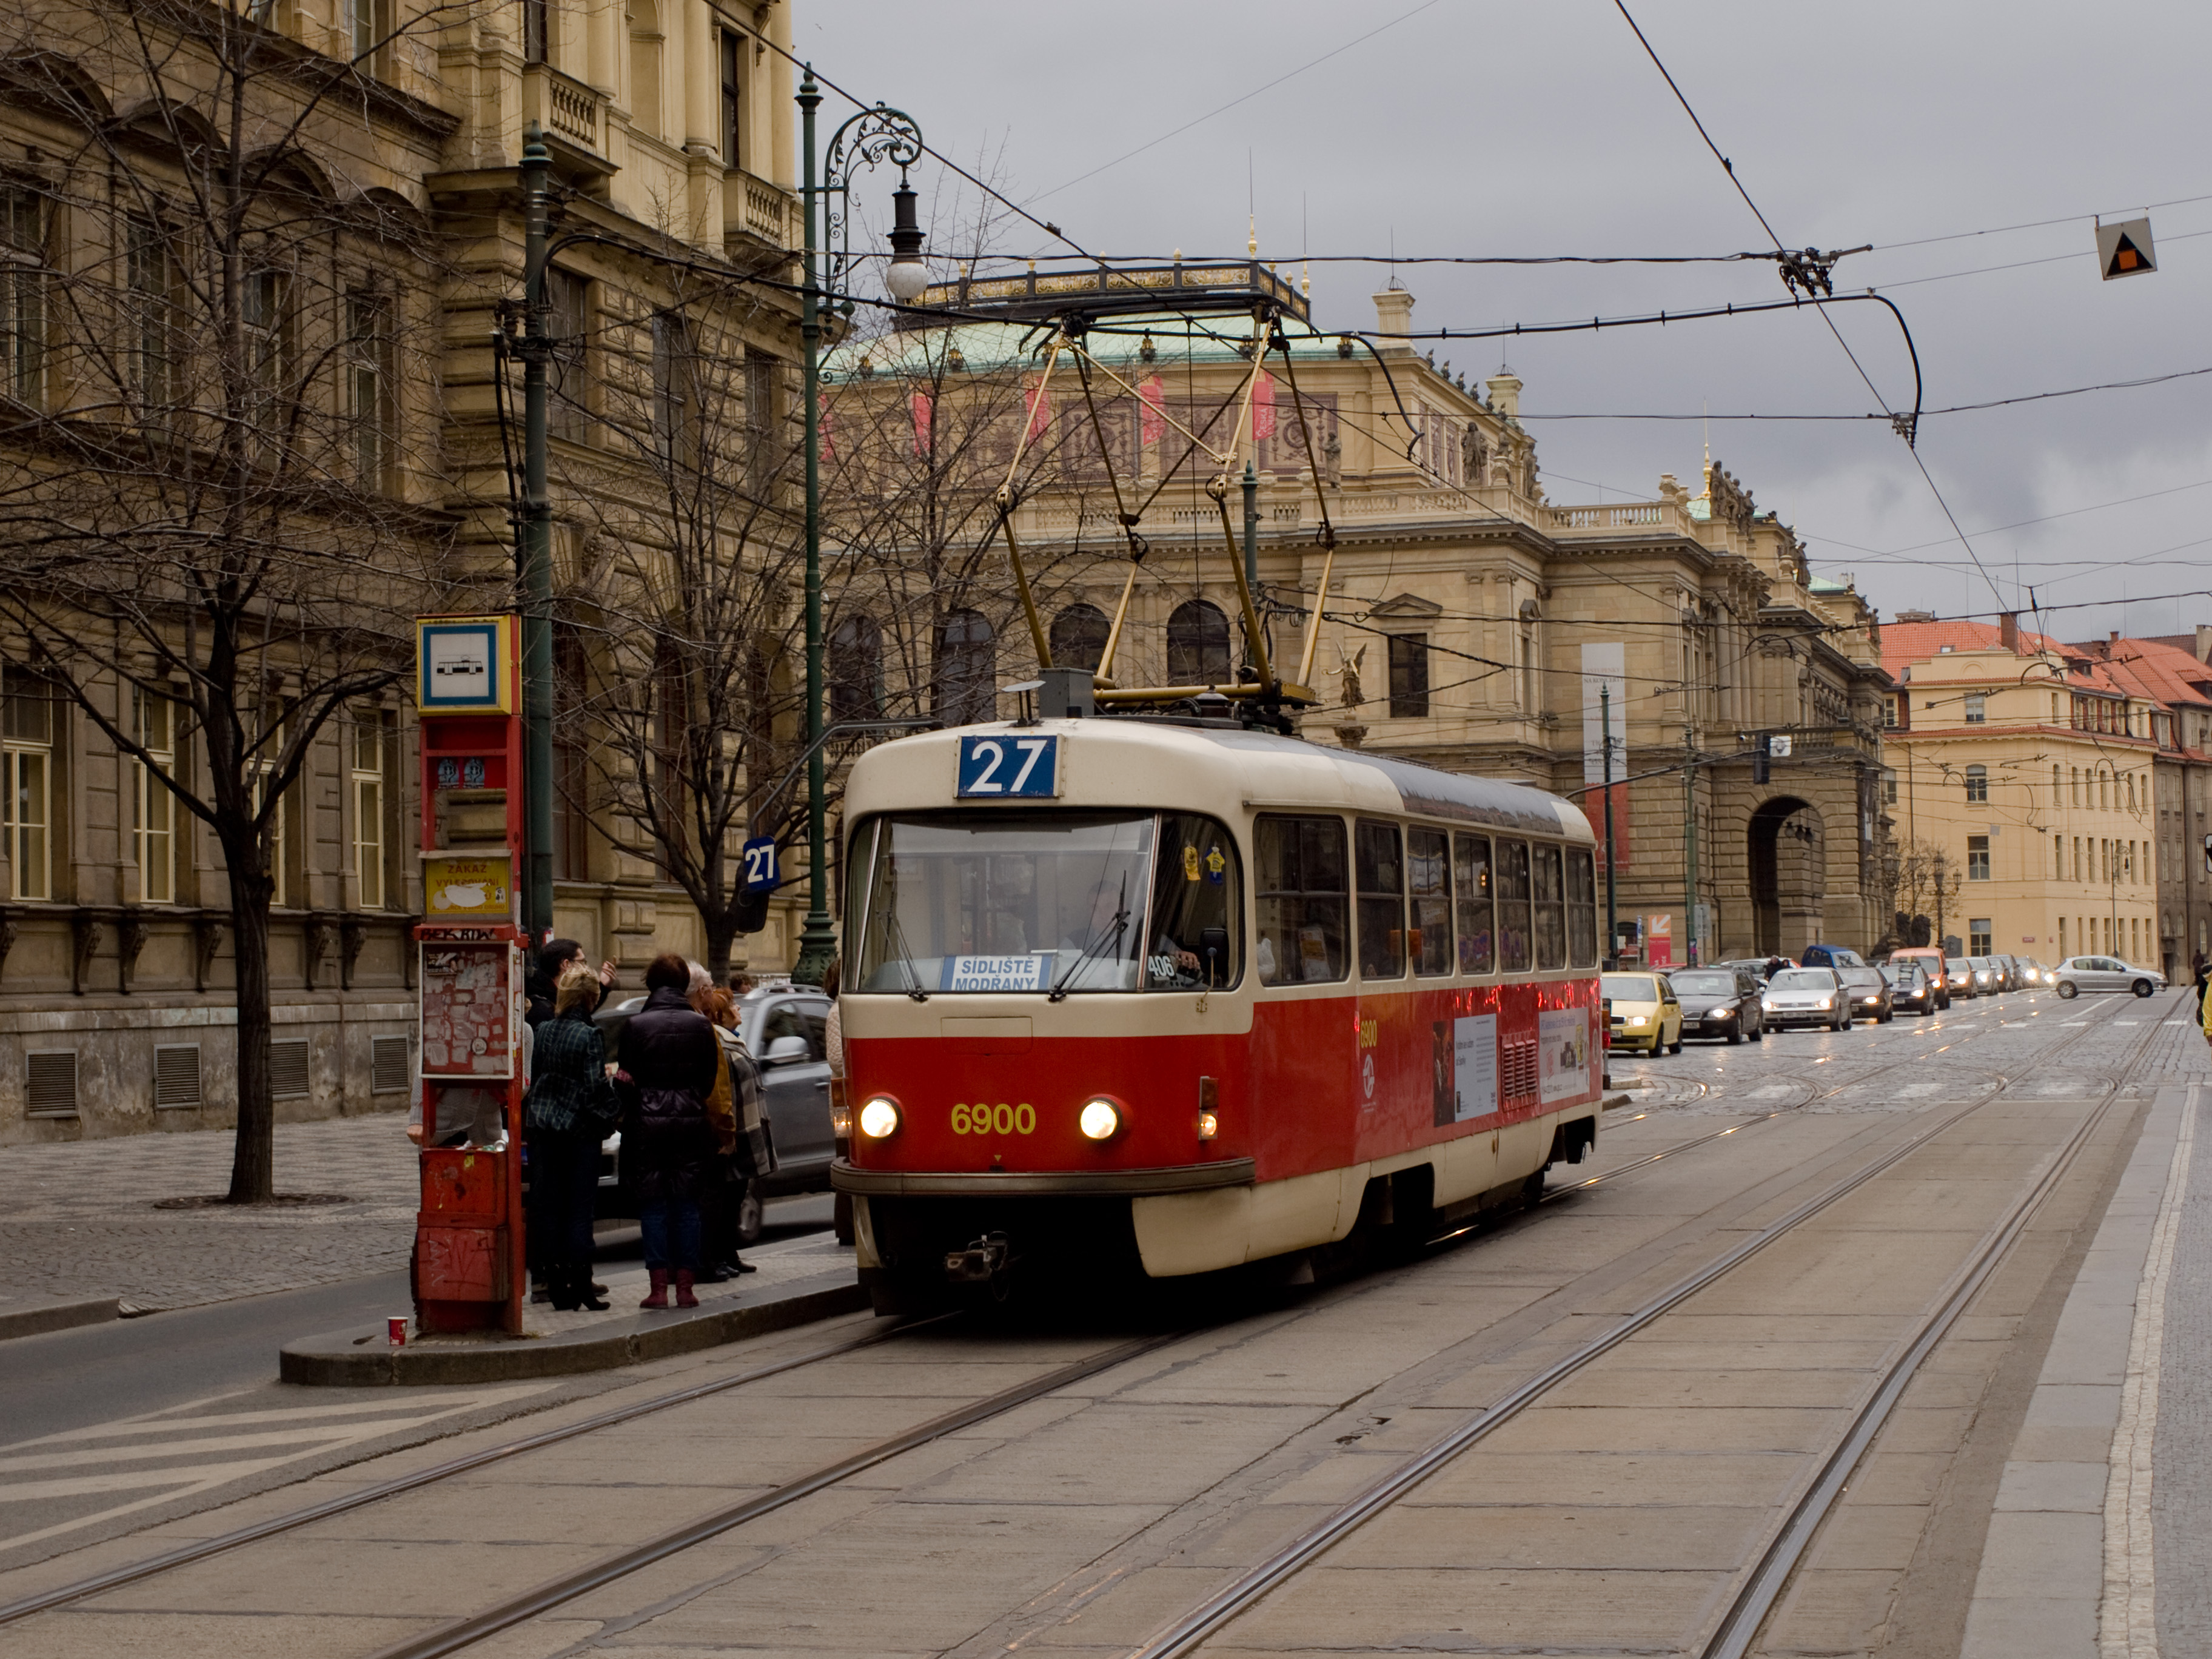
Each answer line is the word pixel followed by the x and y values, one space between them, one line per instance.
pixel 867 139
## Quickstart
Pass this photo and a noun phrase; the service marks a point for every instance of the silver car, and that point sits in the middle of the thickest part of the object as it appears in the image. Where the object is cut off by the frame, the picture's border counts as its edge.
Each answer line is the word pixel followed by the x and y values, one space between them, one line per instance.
pixel 2078 974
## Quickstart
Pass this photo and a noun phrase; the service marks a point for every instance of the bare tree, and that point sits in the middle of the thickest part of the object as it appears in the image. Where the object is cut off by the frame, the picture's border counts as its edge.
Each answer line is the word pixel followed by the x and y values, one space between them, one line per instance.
pixel 1923 878
pixel 210 320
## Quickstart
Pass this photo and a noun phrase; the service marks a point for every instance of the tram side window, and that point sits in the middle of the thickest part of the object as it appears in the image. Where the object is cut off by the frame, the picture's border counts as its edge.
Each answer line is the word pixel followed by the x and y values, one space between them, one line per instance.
pixel 1513 923
pixel 1381 872
pixel 1428 873
pixel 1196 911
pixel 1550 908
pixel 1581 909
pixel 1299 881
pixel 1470 890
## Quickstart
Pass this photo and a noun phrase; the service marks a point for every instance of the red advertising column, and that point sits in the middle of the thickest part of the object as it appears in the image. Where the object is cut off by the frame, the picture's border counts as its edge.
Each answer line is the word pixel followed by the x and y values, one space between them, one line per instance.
pixel 469 1253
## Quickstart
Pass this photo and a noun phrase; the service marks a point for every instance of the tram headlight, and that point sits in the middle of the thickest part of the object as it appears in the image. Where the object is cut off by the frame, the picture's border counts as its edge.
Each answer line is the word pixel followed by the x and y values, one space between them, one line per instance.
pixel 879 1118
pixel 1099 1120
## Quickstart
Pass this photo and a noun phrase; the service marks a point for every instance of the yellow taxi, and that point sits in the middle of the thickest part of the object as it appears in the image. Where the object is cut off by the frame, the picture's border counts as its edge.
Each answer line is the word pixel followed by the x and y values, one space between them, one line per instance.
pixel 1645 1013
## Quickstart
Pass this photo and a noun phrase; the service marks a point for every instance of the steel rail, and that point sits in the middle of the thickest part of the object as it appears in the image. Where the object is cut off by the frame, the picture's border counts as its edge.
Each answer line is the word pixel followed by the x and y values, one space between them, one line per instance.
pixel 458 1633
pixel 1747 1613
pixel 62 1594
pixel 1209 1617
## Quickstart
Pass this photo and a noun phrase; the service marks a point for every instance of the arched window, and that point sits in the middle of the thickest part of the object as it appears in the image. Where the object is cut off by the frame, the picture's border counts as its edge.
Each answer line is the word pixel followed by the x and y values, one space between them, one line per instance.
pixel 967 669
pixel 1078 637
pixel 1977 783
pixel 1198 645
pixel 856 670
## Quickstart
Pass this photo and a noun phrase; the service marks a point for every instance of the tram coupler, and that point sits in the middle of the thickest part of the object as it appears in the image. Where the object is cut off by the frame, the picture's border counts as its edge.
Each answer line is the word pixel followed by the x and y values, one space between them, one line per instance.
pixel 983 1260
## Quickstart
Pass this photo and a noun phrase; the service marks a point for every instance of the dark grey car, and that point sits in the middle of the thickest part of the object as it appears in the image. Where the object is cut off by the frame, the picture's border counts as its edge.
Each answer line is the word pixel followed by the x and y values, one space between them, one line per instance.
pixel 1868 993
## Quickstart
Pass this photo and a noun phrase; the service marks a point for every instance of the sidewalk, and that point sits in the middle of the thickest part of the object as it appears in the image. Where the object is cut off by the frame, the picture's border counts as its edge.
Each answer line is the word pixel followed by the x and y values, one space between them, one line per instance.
pixel 77 1219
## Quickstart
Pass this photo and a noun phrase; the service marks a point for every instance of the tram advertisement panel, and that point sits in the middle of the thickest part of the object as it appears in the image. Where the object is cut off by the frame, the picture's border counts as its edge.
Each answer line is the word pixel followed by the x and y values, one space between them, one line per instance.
pixel 1467 1068
pixel 1562 1048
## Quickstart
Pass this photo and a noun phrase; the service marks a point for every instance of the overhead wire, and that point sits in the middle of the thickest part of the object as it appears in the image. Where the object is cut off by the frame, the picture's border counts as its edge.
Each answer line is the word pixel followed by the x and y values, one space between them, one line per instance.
pixel 1947 408
pixel 1910 433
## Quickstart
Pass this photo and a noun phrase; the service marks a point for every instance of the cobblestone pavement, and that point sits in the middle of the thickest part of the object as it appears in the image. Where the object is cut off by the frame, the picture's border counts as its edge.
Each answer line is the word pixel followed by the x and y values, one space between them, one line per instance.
pixel 2181 1484
pixel 77 1218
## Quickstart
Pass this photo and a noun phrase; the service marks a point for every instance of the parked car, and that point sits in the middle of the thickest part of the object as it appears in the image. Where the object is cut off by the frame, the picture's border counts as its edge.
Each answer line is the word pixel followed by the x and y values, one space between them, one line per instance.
pixel 2010 964
pixel 2039 975
pixel 1987 980
pixel 783 1028
pixel 2078 974
pixel 1930 961
pixel 1719 1002
pixel 1806 996
pixel 1646 1012
pixel 1831 955
pixel 1910 990
pixel 1958 977
pixel 1867 995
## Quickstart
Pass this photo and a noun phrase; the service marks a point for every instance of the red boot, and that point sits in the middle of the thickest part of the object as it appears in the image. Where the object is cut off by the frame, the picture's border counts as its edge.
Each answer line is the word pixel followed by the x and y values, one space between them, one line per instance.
pixel 684 1297
pixel 659 1298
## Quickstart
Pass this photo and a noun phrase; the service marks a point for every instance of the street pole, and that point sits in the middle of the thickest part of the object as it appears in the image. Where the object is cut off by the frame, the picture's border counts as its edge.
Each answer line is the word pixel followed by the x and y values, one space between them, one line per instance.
pixel 1251 547
pixel 817 941
pixel 535 551
pixel 1690 848
pixel 1605 739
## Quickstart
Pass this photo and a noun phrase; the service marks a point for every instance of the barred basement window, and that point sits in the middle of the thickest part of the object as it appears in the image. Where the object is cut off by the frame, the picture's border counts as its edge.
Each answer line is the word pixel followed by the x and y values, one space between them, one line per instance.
pixel 389 1072
pixel 50 1083
pixel 287 1069
pixel 176 1075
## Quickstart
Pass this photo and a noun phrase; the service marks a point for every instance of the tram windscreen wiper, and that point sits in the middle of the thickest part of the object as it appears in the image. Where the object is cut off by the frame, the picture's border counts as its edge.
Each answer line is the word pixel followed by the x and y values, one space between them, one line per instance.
pixel 1059 992
pixel 906 959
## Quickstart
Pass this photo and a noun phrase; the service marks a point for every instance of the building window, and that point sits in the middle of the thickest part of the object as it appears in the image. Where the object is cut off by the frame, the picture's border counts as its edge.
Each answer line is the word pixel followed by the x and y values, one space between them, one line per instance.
pixel 568 320
pixel 2058 859
pixel 733 46
pixel 1977 783
pixel 967 669
pixel 856 669
pixel 2054 708
pixel 763 450
pixel 1198 645
pixel 572 785
pixel 370 385
pixel 1409 675
pixel 1527 646
pixel 1977 936
pixel 154 809
pixel 367 22
pixel 265 300
pixel 1977 708
pixel 22 295
pixel 1977 859
pixel 672 370
pixel 273 844
pixel 371 744
pixel 27 773
pixel 1889 712
pixel 2077 858
pixel 1889 786
pixel 152 279
pixel 536 21
pixel 1078 637
pixel 645 66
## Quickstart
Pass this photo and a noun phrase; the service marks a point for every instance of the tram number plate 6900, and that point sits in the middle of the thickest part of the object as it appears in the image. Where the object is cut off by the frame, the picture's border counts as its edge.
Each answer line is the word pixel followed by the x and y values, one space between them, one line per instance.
pixel 1009 766
pixel 1000 1120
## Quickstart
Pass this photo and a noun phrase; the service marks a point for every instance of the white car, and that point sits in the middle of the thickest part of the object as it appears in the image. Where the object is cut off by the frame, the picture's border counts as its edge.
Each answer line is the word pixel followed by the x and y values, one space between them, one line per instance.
pixel 2078 974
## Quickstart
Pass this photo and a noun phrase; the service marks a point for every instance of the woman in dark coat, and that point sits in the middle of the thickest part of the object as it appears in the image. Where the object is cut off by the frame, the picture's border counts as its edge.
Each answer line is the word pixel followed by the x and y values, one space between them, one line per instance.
pixel 566 1115
pixel 673 1058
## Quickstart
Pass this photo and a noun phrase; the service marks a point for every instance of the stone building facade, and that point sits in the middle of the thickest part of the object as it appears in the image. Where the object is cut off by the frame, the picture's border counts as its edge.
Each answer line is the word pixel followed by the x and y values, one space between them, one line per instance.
pixel 1470 621
pixel 670 127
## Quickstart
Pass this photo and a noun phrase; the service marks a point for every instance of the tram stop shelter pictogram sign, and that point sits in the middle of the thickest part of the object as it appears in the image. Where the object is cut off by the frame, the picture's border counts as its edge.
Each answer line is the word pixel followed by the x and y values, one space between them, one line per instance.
pixel 469 1272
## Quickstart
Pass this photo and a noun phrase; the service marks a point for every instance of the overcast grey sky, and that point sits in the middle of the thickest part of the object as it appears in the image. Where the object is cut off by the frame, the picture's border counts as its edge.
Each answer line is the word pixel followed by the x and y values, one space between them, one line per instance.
pixel 1475 127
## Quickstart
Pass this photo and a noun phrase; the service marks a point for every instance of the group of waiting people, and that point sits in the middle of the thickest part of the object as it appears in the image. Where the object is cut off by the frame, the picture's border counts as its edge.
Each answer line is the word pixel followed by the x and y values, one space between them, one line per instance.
pixel 687 1098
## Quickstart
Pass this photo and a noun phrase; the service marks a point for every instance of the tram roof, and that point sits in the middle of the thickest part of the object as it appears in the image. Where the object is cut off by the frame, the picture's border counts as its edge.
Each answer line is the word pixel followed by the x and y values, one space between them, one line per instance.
pixel 1135 763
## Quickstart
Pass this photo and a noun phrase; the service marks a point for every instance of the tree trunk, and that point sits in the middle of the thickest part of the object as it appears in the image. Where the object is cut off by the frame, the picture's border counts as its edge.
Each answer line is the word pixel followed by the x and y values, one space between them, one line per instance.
pixel 721 929
pixel 253 1156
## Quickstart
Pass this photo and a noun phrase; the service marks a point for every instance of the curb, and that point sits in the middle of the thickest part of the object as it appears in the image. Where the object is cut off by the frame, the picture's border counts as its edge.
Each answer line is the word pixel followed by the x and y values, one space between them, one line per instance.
pixel 356 1358
pixel 44 1316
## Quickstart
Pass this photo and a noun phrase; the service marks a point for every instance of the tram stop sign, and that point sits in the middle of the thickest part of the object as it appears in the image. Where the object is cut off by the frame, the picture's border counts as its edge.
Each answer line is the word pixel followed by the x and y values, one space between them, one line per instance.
pixel 2124 249
pixel 761 869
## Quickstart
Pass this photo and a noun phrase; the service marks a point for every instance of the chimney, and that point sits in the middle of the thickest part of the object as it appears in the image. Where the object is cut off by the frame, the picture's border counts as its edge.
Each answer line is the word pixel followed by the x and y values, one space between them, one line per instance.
pixel 1916 616
pixel 1504 391
pixel 1393 314
pixel 2204 643
pixel 2009 631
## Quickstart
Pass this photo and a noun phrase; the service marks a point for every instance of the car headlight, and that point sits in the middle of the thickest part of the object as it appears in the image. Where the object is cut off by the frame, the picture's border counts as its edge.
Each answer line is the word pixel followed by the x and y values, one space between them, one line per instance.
pixel 1721 1013
pixel 1767 1004
pixel 1638 1019
pixel 1099 1120
pixel 1826 1002
pixel 879 1118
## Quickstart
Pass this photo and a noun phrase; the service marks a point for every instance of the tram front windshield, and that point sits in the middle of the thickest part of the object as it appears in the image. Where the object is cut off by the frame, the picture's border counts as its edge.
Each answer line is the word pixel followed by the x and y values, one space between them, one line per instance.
pixel 1043 901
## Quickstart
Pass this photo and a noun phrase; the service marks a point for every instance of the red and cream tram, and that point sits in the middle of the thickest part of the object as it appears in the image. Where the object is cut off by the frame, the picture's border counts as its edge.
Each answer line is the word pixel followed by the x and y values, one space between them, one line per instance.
pixel 1179 996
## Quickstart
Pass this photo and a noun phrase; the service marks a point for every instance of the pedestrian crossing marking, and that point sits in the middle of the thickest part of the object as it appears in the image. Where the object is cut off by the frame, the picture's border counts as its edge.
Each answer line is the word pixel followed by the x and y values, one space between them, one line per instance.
pixel 75 1464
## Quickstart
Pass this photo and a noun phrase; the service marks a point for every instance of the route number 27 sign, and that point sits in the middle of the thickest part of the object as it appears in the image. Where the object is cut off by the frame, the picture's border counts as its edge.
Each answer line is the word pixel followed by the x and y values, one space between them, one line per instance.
pixel 1009 765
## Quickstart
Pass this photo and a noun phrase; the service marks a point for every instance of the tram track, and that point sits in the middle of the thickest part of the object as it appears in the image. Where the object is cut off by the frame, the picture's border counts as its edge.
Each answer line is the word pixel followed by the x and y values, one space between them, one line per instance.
pixel 474 1628
pixel 1770 1574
